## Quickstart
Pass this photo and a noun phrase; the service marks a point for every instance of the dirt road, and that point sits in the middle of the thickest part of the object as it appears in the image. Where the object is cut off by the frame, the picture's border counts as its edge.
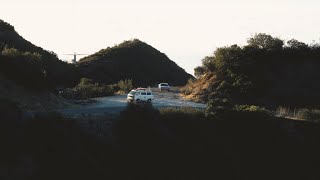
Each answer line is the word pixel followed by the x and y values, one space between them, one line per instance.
pixel 117 103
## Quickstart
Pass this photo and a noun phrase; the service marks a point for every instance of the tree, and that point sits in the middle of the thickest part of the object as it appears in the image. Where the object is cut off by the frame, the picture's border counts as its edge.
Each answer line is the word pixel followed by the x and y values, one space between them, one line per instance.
pixel 265 41
pixel 227 58
pixel 295 44
pixel 208 64
pixel 199 71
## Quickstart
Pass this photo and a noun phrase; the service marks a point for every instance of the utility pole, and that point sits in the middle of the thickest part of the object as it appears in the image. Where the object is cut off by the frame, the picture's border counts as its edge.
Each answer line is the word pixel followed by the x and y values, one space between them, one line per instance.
pixel 74 60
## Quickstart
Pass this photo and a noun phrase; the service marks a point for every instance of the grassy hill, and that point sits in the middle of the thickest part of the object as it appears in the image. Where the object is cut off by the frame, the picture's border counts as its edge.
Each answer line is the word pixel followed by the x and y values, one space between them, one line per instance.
pixel 134 60
pixel 31 66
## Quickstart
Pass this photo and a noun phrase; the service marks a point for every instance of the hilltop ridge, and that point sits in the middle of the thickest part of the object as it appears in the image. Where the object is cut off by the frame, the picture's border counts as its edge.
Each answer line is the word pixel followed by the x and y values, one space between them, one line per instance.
pixel 31 66
pixel 132 59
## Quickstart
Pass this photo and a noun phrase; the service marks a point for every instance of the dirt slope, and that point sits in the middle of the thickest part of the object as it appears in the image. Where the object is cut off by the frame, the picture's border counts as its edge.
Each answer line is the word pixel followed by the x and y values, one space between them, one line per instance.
pixel 199 89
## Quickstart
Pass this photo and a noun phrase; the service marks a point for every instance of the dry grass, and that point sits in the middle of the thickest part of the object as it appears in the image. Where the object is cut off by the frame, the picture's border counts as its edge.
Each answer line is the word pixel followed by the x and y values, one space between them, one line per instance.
pixel 198 90
pixel 298 114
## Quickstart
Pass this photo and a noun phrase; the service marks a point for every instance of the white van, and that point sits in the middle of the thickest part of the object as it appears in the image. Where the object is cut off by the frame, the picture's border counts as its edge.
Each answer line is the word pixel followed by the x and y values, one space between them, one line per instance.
pixel 140 94
pixel 164 87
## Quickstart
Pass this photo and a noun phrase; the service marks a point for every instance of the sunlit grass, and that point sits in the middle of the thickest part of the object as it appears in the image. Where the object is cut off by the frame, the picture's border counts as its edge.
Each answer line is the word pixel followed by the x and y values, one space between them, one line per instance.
pixel 301 114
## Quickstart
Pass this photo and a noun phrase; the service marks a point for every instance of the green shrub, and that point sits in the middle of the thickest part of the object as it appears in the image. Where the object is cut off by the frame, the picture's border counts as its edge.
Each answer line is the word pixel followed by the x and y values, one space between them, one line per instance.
pixel 249 108
pixel 217 104
pixel 198 71
pixel 125 85
pixel 85 82
pixel 11 52
pixel 88 89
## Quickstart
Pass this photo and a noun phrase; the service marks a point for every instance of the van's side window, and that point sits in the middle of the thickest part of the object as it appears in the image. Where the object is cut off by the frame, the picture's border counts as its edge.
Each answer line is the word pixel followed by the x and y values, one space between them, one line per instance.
pixel 143 93
pixel 148 93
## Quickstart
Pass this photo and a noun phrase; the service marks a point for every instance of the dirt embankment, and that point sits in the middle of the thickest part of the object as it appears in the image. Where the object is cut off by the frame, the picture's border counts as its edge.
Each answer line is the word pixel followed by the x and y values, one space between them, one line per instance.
pixel 198 90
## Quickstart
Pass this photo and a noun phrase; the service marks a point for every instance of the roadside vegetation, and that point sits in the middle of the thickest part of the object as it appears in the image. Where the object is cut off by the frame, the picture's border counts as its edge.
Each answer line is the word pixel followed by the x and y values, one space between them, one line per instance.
pixel 88 89
pixel 265 72
pixel 124 86
pixel 309 114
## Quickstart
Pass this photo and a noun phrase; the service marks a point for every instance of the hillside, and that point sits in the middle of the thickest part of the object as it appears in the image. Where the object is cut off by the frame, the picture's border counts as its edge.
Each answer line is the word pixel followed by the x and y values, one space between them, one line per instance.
pixel 27 99
pixel 29 74
pixel 31 66
pixel 267 71
pixel 134 60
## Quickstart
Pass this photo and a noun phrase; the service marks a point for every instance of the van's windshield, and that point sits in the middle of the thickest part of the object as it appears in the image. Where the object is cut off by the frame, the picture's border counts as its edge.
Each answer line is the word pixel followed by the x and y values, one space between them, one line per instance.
pixel 131 92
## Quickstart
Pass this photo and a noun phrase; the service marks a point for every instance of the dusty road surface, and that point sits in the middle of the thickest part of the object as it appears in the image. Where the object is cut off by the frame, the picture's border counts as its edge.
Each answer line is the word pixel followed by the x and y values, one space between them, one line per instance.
pixel 117 103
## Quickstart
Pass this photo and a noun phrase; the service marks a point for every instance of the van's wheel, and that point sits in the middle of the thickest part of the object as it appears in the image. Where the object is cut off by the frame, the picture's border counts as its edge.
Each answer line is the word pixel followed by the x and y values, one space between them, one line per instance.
pixel 149 100
pixel 138 100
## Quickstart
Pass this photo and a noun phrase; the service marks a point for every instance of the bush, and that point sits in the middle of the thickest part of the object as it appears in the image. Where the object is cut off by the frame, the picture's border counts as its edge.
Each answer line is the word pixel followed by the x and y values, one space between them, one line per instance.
pixel 199 71
pixel 125 85
pixel 88 89
pixel 11 52
pixel 85 82
pixel 250 108
pixel 217 104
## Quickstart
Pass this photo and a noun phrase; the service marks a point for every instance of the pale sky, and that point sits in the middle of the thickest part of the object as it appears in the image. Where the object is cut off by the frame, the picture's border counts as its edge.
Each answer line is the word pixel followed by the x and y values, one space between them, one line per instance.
pixel 185 30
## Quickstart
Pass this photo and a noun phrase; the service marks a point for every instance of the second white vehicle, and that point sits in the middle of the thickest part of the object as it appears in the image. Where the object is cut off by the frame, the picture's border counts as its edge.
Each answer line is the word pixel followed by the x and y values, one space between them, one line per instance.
pixel 140 94
pixel 164 87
